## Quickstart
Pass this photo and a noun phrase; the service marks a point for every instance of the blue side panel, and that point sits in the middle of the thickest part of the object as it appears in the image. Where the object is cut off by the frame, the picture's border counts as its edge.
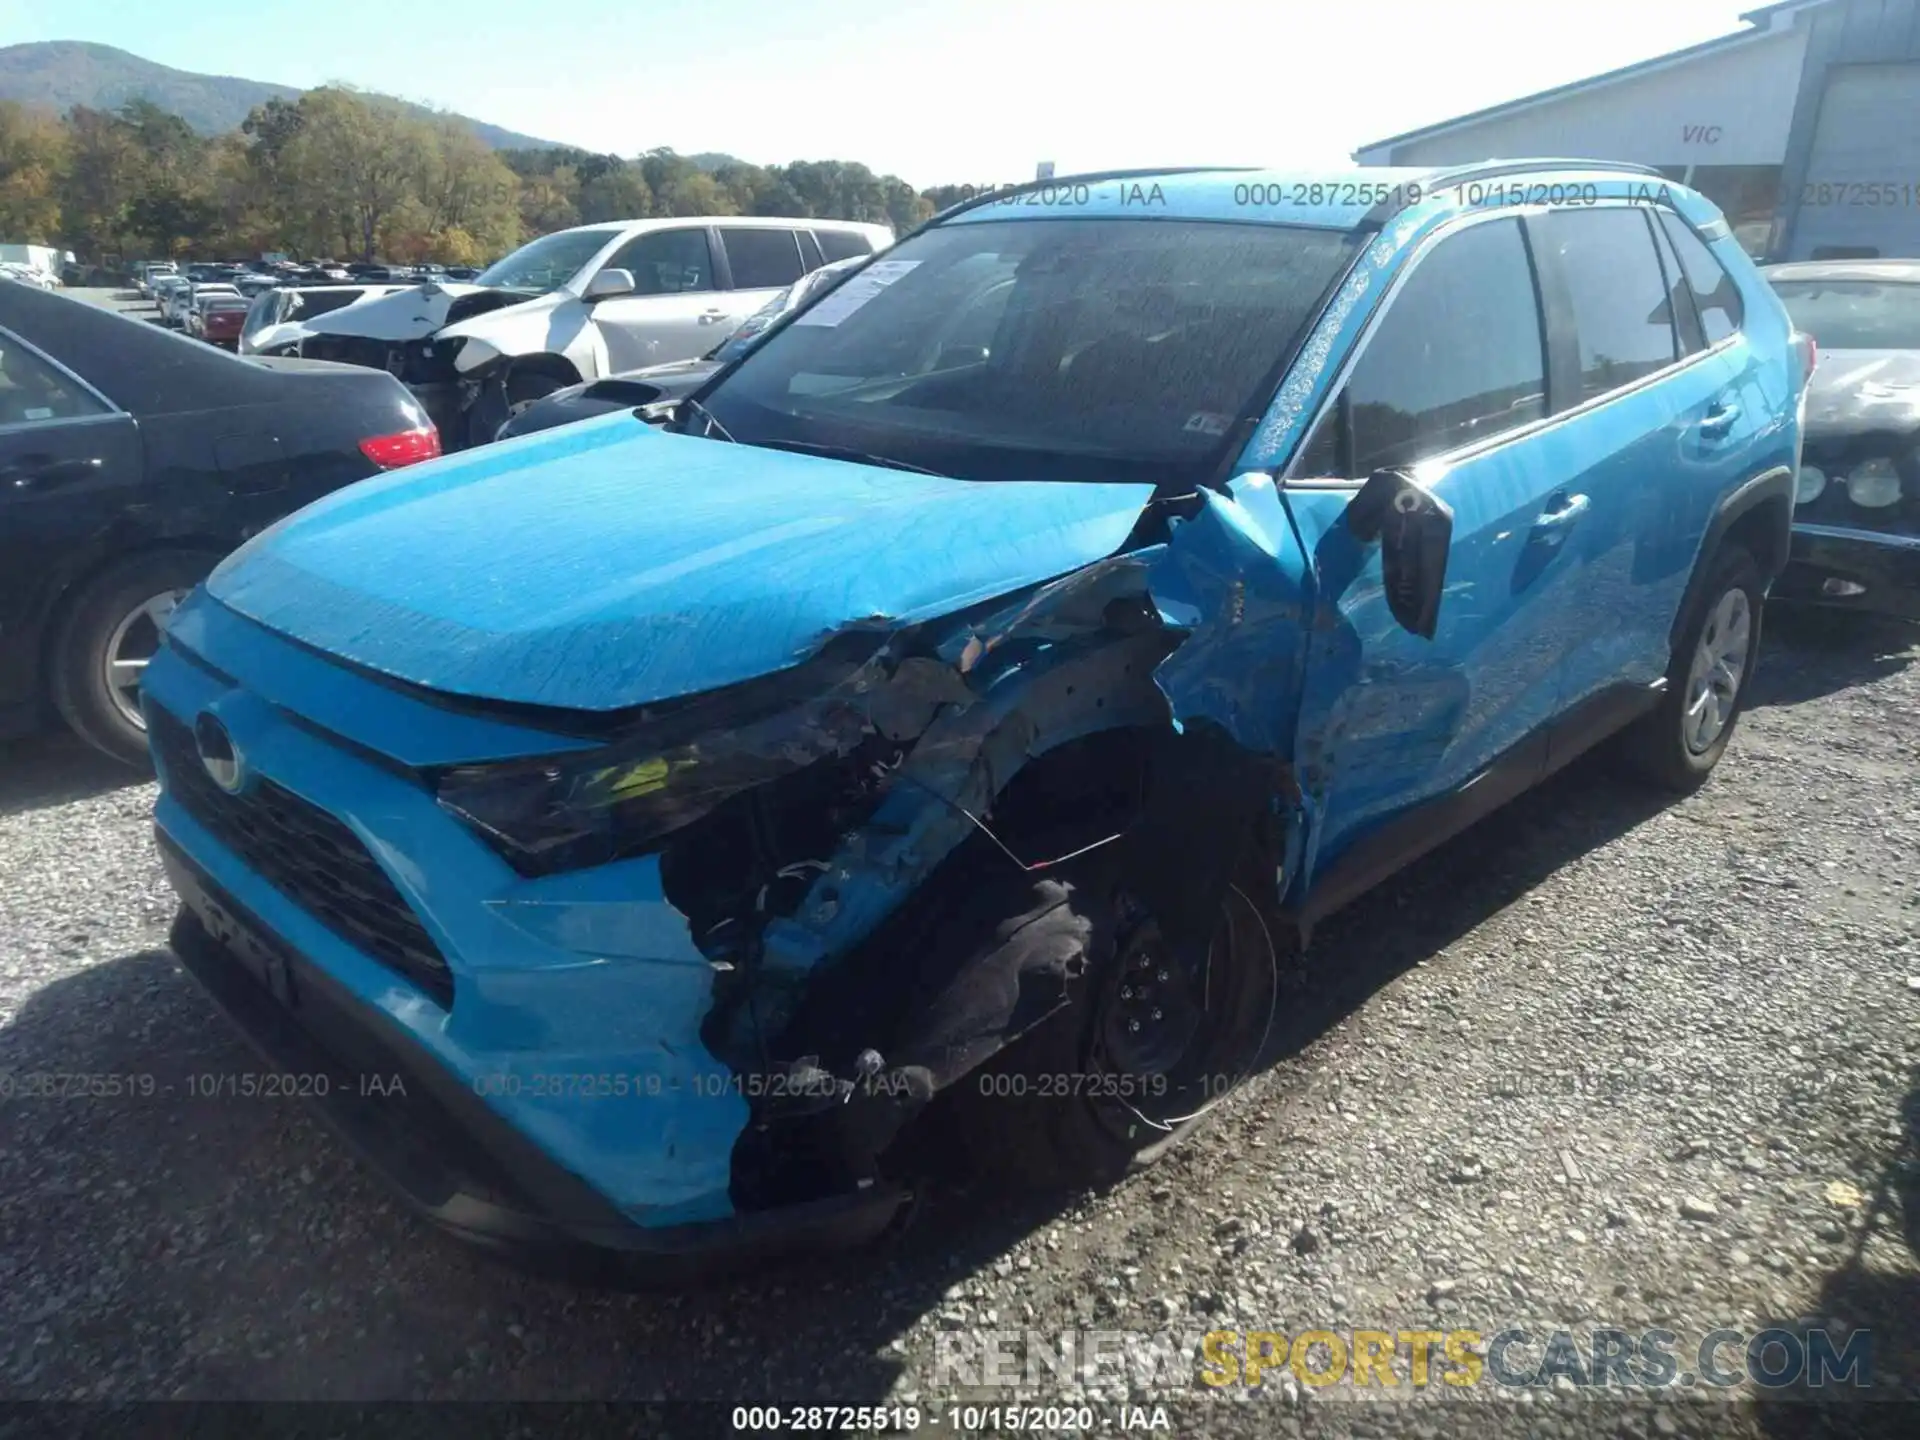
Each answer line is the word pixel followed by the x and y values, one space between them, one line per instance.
pixel 1235 578
pixel 1389 719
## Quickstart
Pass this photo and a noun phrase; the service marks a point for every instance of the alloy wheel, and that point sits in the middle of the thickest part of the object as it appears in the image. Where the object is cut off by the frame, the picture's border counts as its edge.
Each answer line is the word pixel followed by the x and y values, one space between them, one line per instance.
pixel 1719 666
pixel 134 642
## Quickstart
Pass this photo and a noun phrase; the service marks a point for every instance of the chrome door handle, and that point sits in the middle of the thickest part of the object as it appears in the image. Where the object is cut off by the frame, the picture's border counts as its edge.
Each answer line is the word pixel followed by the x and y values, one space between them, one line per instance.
pixel 1552 526
pixel 712 317
pixel 1720 418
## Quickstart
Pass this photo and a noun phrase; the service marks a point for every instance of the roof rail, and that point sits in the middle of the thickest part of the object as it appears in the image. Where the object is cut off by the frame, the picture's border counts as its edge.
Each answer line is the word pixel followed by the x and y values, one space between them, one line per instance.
pixel 1486 169
pixel 1377 218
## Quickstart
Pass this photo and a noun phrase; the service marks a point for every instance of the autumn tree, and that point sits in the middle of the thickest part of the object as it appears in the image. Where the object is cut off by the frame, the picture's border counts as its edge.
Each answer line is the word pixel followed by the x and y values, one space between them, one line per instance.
pixel 98 182
pixel 33 155
pixel 339 171
pixel 618 192
pixel 356 158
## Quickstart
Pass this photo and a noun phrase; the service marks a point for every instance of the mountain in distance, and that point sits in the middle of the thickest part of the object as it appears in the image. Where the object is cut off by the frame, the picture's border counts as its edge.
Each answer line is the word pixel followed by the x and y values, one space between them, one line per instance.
pixel 58 74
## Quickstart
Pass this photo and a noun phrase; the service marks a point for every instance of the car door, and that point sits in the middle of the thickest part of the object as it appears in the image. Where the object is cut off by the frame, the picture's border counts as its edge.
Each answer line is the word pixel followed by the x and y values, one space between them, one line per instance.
pixel 69 463
pixel 1403 739
pixel 1647 425
pixel 1734 435
pixel 676 310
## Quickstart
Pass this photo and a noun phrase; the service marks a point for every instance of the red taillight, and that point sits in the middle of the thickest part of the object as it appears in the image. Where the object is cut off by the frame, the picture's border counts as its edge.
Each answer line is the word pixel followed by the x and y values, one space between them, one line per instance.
pixel 409 447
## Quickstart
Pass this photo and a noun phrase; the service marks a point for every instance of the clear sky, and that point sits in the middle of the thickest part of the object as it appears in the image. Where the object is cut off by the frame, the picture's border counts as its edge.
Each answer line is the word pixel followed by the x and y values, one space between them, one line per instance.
pixel 960 91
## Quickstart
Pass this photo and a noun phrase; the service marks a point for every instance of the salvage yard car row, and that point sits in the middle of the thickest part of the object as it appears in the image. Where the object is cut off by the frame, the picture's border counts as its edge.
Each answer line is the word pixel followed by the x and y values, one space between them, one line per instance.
pixel 989 666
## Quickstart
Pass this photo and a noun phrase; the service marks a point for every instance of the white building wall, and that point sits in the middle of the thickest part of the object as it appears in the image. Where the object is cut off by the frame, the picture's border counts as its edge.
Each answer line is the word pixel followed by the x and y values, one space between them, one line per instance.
pixel 1727 107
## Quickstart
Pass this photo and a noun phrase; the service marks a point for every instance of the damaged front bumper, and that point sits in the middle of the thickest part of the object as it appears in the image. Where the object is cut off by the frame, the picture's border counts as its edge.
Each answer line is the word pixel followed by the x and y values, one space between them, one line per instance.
pixel 452 1158
pixel 555 1095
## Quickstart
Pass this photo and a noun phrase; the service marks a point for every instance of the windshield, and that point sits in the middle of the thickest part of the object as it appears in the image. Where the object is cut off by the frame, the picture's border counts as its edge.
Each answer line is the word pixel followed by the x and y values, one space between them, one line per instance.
pixel 1855 314
pixel 1117 350
pixel 547 263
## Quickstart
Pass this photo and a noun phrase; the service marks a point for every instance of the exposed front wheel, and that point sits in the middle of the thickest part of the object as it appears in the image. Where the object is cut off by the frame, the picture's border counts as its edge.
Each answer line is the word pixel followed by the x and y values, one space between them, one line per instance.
pixel 1157 1035
pixel 1677 744
pixel 500 399
pixel 109 632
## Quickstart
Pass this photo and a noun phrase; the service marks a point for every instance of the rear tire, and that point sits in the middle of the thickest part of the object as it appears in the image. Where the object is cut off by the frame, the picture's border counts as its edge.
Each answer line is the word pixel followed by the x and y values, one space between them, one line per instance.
pixel 1677 744
pixel 117 617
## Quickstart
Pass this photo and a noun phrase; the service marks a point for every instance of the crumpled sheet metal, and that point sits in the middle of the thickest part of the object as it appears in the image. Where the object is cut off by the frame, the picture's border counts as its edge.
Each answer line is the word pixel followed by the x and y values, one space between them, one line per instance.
pixel 964 759
pixel 1234 579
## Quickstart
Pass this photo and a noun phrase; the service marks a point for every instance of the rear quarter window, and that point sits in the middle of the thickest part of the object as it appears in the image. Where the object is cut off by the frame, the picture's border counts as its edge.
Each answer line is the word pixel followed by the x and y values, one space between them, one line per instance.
pixel 1715 295
pixel 842 244
pixel 1620 303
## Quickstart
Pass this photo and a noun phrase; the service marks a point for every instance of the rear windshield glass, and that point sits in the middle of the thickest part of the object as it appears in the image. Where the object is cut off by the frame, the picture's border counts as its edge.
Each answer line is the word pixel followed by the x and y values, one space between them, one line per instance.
pixel 843 244
pixel 307 304
pixel 1066 350
pixel 1854 314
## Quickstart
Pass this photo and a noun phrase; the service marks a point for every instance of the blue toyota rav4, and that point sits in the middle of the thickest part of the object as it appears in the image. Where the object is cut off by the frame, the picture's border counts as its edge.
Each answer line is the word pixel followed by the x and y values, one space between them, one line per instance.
pixel 665 844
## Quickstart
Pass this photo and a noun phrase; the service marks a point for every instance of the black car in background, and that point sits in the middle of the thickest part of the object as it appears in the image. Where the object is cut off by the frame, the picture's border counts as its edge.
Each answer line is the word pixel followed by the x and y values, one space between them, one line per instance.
pixel 1856 521
pixel 131 460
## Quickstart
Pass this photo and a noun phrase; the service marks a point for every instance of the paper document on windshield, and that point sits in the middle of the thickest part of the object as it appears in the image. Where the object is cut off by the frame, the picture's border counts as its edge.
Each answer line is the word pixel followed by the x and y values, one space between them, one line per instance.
pixel 854 292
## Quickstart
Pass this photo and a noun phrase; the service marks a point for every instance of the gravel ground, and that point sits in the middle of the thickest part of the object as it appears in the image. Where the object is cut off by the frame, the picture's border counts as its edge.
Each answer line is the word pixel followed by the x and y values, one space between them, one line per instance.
pixel 1599 1062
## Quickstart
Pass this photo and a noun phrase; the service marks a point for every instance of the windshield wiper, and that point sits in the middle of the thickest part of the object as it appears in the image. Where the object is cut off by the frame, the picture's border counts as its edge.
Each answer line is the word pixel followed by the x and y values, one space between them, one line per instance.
pixel 714 427
pixel 843 452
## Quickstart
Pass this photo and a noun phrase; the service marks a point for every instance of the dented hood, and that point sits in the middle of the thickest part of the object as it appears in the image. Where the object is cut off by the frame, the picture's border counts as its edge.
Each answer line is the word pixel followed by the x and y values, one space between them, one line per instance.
pixel 606 564
pixel 411 314
pixel 1856 391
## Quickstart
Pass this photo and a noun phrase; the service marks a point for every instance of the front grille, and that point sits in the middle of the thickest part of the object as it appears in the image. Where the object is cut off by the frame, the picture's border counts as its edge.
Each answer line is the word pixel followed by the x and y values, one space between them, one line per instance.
pixel 308 856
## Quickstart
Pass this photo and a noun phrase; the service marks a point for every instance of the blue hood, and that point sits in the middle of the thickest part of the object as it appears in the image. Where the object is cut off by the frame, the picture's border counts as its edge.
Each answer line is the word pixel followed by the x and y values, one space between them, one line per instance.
pixel 608 564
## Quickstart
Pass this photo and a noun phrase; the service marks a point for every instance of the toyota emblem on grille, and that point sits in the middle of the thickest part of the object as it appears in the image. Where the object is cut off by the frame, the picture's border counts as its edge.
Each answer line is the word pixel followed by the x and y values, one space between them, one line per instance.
pixel 218 754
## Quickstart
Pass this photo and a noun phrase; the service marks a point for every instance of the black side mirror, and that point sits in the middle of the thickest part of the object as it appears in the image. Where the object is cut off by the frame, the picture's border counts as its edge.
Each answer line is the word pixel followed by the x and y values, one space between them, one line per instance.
pixel 1415 530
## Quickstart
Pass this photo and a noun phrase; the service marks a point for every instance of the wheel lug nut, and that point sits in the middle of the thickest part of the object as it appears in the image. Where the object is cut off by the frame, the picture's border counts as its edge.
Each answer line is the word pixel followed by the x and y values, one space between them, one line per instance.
pixel 1126 992
pixel 1162 975
pixel 1156 1014
pixel 1133 1026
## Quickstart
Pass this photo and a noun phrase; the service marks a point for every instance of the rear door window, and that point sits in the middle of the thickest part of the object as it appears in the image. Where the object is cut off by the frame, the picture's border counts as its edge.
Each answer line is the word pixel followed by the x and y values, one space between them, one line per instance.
pixel 842 244
pixel 1686 317
pixel 761 259
pixel 1457 359
pixel 1619 296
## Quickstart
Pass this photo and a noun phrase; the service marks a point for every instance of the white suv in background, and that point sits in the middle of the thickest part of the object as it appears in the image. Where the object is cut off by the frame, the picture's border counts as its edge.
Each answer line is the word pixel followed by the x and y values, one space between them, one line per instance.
pixel 578 305
pixel 278 315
